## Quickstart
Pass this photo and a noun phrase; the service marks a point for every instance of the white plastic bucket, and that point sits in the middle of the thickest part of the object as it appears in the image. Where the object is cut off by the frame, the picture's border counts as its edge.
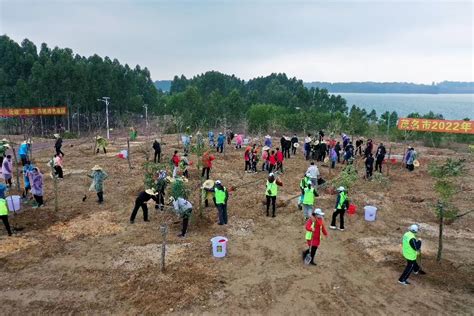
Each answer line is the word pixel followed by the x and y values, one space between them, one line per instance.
pixel 219 246
pixel 370 213
pixel 13 203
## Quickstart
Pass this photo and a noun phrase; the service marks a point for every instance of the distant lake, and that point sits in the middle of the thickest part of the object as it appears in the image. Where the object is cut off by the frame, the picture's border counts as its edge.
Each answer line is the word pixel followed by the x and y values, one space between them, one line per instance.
pixel 451 106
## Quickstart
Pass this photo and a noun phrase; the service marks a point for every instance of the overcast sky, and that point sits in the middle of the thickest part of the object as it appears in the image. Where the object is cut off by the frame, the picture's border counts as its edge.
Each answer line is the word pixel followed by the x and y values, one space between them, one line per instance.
pixel 420 41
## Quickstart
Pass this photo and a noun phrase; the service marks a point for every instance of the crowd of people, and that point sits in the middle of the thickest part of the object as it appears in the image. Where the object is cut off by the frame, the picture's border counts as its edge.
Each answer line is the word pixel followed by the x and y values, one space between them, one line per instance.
pixel 316 148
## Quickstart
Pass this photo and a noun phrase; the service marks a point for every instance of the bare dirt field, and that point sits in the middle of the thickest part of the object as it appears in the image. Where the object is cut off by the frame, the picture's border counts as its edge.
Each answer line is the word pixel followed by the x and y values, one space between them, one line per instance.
pixel 87 259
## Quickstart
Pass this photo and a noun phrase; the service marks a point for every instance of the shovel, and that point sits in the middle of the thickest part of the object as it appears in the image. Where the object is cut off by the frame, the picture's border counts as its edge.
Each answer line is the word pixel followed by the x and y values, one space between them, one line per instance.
pixel 307 259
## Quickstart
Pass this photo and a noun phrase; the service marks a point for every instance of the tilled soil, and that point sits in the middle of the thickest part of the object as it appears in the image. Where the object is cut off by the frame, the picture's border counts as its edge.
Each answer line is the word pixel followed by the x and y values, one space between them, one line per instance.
pixel 87 259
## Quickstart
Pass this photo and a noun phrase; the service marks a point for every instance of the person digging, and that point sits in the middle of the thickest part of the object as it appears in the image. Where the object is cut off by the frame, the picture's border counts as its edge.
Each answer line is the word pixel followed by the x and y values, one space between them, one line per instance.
pixel 98 176
pixel 141 200
pixel 411 248
pixel 184 208
pixel 314 226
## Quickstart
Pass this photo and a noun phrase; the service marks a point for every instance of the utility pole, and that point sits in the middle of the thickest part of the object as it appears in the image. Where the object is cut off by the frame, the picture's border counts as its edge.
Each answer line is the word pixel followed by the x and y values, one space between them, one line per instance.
pixel 106 101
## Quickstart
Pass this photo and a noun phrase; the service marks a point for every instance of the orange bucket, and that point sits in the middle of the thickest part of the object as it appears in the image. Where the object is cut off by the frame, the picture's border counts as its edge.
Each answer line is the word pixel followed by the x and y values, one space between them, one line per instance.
pixel 352 209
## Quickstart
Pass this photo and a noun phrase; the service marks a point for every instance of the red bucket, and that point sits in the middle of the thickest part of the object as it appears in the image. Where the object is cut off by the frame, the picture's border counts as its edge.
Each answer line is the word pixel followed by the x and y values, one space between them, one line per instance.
pixel 352 209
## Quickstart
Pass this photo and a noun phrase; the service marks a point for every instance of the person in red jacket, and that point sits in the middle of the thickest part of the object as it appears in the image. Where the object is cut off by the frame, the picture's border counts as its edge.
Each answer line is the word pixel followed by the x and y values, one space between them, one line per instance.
pixel 207 164
pixel 314 226
pixel 247 158
pixel 175 160
pixel 272 160
pixel 279 159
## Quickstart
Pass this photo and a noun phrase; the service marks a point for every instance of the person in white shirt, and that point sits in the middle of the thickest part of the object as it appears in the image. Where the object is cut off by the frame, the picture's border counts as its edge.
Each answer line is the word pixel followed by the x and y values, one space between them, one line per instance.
pixel 313 172
pixel 184 208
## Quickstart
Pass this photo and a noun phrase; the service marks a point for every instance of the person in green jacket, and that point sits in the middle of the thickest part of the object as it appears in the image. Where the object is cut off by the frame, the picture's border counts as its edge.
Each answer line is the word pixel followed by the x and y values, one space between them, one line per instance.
pixel 411 248
pixel 4 215
pixel 271 193
pixel 101 143
pixel 303 184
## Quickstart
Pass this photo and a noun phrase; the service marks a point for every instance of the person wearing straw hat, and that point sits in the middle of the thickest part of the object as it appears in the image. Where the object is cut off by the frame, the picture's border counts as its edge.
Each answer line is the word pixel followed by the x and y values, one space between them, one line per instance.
pixel 294 144
pixel 183 208
pixel 101 143
pixel 411 247
pixel 314 226
pixel 342 203
pixel 4 215
pixel 58 144
pixel 98 176
pixel 141 200
pixel 207 192
pixel 23 151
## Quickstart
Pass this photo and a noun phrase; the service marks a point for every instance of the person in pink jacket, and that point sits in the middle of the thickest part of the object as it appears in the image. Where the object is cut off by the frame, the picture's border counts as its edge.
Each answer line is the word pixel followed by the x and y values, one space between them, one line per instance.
pixel 7 167
pixel 238 141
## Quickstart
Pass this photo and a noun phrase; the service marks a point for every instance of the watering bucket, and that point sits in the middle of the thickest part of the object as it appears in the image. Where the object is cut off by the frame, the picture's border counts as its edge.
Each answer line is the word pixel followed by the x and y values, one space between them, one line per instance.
pixel 219 246
pixel 13 203
pixel 370 213
pixel 352 209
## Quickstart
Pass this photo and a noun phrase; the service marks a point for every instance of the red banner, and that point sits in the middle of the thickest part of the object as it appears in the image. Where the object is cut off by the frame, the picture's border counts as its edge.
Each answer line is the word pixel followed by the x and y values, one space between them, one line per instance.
pixel 11 112
pixel 439 126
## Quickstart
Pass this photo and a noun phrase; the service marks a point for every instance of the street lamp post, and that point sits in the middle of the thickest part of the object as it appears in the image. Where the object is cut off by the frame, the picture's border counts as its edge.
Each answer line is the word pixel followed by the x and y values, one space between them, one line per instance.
pixel 106 101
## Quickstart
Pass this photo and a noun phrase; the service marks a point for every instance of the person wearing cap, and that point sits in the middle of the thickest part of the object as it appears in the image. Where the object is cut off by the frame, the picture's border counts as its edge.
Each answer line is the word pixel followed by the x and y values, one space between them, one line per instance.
pixel 58 144
pixel 411 247
pixel 157 149
pixel 314 226
pixel 184 209
pixel 98 176
pixel 7 170
pixel 309 194
pixel 23 151
pixel 36 180
pixel 271 193
pixel 4 215
pixel 220 142
pixel 379 157
pixel 221 195
pixel 342 203
pixel 101 143
pixel 175 161
pixel 303 184
pixel 294 140
pixel 141 200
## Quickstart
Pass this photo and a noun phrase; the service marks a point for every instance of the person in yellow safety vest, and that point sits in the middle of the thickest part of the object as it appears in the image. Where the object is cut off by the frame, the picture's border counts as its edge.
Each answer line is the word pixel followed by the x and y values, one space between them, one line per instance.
pixel 411 247
pixel 4 215
pixel 303 184
pixel 271 193
pixel 314 226
pixel 221 195
pixel 308 199
pixel 342 204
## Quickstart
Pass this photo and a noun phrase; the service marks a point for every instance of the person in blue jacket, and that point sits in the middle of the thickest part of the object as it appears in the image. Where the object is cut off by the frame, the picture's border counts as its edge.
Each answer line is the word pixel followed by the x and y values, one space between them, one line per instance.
pixel 220 142
pixel 23 151
pixel 210 135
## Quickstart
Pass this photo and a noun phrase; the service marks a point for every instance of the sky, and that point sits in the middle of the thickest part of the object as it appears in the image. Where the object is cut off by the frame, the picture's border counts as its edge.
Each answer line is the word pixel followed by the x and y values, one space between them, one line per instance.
pixel 335 41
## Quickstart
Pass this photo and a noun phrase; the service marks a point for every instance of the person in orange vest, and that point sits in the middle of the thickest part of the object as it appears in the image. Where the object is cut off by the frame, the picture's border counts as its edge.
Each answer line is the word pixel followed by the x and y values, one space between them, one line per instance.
pixel 314 226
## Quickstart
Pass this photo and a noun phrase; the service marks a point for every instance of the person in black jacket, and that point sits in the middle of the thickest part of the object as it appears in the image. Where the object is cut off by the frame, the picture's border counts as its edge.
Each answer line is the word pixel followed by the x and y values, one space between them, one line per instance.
pixel 58 144
pixel 379 157
pixel 157 148
pixel 338 148
pixel 140 201
pixel 294 140
pixel 359 144
pixel 369 166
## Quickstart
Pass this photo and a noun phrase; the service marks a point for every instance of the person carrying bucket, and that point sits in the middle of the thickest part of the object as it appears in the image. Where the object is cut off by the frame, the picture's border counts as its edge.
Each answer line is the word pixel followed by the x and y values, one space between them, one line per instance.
pixel 308 199
pixel 342 203
pixel 314 226
pixel 411 248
